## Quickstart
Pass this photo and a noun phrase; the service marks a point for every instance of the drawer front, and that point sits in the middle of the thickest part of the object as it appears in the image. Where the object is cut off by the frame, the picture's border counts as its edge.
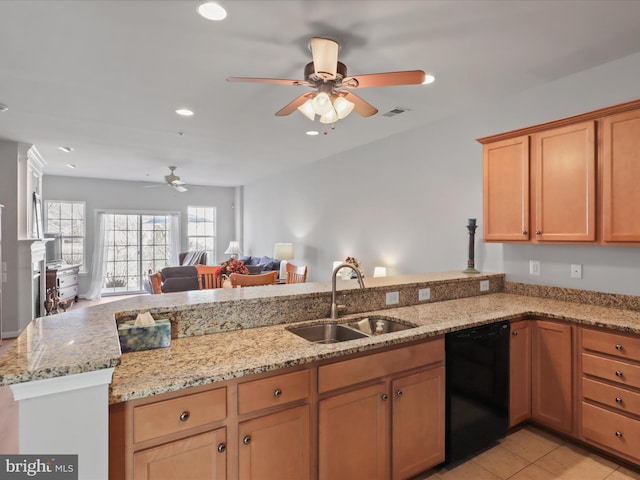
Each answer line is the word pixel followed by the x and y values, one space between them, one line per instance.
pixel 66 280
pixel 178 414
pixel 613 370
pixel 623 346
pixel 612 430
pixel 272 391
pixel 612 396
pixel 362 369
pixel 68 293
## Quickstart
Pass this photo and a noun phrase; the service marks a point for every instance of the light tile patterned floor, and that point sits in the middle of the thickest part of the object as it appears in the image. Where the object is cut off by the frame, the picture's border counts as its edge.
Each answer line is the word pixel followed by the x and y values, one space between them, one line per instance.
pixel 533 454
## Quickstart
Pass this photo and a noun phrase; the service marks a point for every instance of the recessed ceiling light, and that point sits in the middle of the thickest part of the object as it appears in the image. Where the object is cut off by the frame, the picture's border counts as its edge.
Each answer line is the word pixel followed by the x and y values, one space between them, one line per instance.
pixel 71 165
pixel 66 149
pixel 313 132
pixel 212 11
pixel 428 79
pixel 185 112
pixel 3 107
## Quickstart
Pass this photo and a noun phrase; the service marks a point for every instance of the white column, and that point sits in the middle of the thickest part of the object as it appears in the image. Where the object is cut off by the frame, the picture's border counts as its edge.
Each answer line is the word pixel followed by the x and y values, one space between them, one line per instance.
pixel 67 415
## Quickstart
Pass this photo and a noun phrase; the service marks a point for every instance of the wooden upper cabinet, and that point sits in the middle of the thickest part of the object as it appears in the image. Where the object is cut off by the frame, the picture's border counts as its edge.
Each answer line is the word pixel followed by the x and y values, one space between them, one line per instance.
pixel 565 183
pixel 621 177
pixel 506 190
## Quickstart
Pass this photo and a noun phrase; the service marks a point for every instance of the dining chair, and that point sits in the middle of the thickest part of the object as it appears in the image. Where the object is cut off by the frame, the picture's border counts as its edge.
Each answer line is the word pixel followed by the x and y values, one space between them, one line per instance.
pixel 296 274
pixel 155 282
pixel 240 280
pixel 208 276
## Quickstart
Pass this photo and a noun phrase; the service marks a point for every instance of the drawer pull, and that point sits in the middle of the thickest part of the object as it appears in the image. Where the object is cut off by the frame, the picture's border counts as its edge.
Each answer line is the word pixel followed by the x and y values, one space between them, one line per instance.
pixel 619 434
pixel 538 232
pixel 399 393
pixel 618 400
pixel 384 396
pixel 221 448
pixel 277 393
pixel 246 440
pixel 184 416
pixel 618 373
pixel 618 347
pixel 514 333
pixel 524 232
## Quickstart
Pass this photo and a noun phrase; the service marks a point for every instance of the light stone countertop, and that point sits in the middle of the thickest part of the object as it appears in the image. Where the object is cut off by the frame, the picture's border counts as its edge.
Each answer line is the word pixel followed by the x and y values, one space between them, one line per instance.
pixel 209 358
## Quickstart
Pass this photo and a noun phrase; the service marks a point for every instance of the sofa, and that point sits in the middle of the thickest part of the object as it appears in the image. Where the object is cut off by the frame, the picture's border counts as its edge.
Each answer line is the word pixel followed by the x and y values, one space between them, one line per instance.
pixel 257 265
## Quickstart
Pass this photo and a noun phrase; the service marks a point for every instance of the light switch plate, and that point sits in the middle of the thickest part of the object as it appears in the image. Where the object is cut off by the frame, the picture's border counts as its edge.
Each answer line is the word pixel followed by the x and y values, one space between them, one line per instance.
pixel 484 285
pixel 576 271
pixel 534 267
pixel 424 294
pixel 393 298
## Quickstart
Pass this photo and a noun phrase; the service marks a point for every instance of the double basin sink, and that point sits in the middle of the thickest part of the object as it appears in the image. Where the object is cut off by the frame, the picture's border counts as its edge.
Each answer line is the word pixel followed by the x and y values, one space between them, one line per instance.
pixel 333 332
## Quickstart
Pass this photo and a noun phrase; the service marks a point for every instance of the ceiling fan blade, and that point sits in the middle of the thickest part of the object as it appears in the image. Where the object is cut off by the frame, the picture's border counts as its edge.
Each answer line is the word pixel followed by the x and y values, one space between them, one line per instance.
pixel 292 106
pixel 388 79
pixel 325 57
pixel 361 106
pixel 277 81
pixel 180 188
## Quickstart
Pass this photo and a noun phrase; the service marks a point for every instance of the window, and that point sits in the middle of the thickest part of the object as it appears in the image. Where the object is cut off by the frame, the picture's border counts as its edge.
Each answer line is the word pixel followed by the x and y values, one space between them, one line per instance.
pixel 68 218
pixel 136 245
pixel 201 230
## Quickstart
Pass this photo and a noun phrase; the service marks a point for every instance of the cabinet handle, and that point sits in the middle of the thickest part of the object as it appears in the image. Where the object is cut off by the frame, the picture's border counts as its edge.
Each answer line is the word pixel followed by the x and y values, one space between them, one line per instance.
pixel 514 333
pixel 221 448
pixel 246 440
pixel 619 434
pixel 618 347
pixel 618 373
pixel 538 232
pixel 618 400
pixel 384 396
pixel 524 232
pixel 399 393
pixel 184 416
pixel 277 393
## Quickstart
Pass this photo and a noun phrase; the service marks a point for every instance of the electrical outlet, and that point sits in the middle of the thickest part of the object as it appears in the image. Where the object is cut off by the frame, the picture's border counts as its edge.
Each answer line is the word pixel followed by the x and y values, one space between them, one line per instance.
pixel 484 285
pixel 534 267
pixel 393 298
pixel 576 271
pixel 424 294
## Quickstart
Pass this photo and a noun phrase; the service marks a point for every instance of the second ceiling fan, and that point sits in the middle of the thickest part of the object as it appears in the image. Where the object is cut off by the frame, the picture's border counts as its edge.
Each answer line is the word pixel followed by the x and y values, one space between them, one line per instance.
pixel 332 99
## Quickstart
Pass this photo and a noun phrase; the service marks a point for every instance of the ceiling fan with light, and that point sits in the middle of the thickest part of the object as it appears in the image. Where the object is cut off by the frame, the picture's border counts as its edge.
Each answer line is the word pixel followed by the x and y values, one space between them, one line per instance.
pixel 332 99
pixel 172 180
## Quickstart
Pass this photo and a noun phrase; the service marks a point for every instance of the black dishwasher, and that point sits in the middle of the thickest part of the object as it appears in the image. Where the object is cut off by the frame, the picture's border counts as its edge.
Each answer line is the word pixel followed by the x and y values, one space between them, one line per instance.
pixel 477 389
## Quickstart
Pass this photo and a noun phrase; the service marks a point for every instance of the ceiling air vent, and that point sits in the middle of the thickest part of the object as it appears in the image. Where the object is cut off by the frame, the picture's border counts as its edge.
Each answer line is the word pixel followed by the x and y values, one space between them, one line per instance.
pixel 395 111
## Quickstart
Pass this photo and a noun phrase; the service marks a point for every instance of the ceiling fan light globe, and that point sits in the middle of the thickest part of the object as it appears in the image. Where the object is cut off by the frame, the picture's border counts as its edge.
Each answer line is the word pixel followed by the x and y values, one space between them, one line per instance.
pixel 321 104
pixel 330 117
pixel 343 107
pixel 307 110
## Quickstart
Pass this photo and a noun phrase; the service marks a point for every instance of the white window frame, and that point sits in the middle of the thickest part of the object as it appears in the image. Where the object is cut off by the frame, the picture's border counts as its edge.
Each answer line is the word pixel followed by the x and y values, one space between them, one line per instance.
pixel 212 252
pixel 84 226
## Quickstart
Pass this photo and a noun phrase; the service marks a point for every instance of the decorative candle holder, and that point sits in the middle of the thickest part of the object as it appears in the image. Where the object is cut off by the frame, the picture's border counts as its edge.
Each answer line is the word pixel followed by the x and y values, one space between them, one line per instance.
pixel 471 226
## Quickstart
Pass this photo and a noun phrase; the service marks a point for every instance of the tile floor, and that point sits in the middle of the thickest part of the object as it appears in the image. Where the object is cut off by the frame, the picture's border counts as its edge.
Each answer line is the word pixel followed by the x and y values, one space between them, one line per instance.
pixel 530 453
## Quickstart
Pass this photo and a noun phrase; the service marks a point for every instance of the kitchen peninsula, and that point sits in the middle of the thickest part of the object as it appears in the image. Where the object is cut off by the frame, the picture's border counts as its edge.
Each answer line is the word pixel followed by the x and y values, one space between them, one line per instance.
pixel 213 341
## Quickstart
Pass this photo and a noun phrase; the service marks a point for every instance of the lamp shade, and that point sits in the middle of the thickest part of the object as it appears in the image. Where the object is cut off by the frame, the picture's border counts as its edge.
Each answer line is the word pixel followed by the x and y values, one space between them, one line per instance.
pixel 283 251
pixel 380 272
pixel 233 248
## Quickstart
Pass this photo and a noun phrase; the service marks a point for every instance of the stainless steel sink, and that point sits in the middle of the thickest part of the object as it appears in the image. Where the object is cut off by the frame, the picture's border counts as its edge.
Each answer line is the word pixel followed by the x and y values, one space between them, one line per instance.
pixel 377 325
pixel 327 333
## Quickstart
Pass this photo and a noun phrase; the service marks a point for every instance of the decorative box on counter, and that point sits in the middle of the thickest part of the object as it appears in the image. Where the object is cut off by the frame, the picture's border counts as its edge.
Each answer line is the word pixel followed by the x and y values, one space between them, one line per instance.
pixel 144 337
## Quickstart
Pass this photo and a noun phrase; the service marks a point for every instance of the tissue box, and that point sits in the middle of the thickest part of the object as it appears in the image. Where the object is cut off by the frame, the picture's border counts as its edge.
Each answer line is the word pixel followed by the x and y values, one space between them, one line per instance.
pixel 144 337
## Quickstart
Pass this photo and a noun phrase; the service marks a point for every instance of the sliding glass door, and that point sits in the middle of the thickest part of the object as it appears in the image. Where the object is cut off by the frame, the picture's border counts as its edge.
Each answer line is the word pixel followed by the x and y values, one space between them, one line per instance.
pixel 136 244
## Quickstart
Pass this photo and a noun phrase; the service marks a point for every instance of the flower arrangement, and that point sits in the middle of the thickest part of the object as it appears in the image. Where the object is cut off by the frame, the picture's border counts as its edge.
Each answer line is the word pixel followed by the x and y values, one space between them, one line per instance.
pixel 354 261
pixel 232 265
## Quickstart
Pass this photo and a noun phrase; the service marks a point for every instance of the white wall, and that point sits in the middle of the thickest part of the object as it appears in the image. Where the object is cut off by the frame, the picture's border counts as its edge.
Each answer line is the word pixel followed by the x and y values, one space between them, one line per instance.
pixel 404 201
pixel 131 196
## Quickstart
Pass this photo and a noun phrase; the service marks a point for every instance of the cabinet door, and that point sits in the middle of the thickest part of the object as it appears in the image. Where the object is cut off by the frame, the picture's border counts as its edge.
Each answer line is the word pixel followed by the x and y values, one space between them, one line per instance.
pixel 565 183
pixel 620 177
pixel 418 420
pixel 505 179
pixel 520 373
pixel 198 457
pixel 353 435
pixel 551 359
pixel 276 446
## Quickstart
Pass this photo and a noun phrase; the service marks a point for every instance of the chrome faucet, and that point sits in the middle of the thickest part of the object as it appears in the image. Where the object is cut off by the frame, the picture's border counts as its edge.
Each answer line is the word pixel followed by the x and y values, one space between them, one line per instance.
pixel 335 308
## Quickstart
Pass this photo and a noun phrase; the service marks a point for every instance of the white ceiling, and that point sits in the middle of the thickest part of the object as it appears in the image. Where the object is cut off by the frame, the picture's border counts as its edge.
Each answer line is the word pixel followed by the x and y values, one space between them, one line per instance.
pixel 105 77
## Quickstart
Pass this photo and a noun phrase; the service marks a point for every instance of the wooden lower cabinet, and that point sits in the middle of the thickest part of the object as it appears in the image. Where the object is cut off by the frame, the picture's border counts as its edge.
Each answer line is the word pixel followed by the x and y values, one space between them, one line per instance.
pixel 192 458
pixel 354 434
pixel 276 446
pixel 520 373
pixel 552 375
